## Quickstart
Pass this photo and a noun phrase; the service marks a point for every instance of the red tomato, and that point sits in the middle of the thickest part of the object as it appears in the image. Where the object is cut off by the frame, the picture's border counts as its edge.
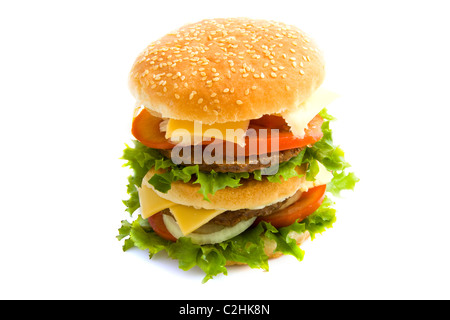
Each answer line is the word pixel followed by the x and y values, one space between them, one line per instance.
pixel 309 202
pixel 157 223
pixel 145 128
pixel 287 140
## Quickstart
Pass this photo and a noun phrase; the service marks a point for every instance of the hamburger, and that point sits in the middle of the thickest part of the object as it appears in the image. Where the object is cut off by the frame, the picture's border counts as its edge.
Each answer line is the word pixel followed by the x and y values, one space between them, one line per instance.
pixel 232 158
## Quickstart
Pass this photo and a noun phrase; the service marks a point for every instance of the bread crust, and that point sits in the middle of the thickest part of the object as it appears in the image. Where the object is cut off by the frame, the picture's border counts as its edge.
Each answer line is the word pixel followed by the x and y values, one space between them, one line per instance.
pixel 222 70
pixel 250 195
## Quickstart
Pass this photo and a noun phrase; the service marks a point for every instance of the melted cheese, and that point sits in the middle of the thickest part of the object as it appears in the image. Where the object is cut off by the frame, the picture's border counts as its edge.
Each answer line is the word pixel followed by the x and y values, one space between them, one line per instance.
pixel 151 203
pixel 194 132
pixel 190 219
pixel 298 120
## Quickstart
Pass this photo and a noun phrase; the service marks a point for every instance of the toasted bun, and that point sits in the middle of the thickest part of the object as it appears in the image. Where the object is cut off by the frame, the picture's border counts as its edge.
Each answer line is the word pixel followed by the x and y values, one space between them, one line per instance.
pixel 252 194
pixel 271 245
pixel 225 70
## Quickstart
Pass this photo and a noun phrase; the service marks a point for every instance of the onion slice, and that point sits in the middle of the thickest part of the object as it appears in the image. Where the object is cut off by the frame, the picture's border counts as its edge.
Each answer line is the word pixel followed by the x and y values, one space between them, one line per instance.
pixel 221 235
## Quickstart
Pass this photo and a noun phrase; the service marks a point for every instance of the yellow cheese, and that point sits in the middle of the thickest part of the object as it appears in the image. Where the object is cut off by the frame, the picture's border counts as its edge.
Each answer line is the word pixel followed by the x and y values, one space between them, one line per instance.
pixel 194 132
pixel 190 219
pixel 151 203
pixel 298 120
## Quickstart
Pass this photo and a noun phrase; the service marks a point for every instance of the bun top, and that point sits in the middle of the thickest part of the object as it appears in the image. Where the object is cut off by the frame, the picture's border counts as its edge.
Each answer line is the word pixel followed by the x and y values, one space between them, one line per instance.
pixel 223 70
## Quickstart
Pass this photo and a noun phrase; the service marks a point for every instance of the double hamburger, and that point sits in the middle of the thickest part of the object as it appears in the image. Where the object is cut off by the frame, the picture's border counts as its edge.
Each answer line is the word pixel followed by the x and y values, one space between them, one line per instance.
pixel 233 154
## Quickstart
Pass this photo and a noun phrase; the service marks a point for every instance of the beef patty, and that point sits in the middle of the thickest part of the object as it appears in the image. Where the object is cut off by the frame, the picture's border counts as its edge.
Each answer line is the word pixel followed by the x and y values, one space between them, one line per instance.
pixel 248 165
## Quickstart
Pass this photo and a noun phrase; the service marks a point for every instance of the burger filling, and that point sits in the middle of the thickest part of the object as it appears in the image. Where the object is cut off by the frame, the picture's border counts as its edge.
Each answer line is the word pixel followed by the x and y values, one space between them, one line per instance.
pixel 209 238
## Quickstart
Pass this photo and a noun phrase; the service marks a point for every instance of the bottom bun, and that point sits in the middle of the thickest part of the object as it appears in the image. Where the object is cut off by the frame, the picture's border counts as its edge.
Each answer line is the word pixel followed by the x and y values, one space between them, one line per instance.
pixel 271 245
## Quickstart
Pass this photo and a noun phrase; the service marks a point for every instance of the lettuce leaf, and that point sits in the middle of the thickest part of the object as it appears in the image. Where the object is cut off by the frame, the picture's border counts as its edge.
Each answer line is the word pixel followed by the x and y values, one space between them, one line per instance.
pixel 342 181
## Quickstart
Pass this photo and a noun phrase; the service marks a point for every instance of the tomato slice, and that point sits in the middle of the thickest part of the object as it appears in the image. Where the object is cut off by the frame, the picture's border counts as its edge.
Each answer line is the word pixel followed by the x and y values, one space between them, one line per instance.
pixel 157 223
pixel 309 202
pixel 286 139
pixel 145 128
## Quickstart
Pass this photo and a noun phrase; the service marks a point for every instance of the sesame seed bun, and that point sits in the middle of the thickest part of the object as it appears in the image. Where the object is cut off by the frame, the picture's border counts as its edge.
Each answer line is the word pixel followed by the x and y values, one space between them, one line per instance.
pixel 224 70
pixel 250 195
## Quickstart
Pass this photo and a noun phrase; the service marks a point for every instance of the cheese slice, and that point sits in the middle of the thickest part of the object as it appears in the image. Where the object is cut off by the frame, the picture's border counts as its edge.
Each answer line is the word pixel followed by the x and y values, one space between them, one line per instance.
pixel 194 132
pixel 298 119
pixel 190 219
pixel 151 203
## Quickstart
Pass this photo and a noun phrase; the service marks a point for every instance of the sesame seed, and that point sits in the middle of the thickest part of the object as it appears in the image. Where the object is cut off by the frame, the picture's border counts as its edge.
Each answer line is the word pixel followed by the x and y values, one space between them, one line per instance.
pixel 302 72
pixel 288 88
pixel 200 101
pixel 247 91
pixel 273 74
pixel 226 90
pixel 256 75
pixel 213 94
pixel 239 102
pixel 177 96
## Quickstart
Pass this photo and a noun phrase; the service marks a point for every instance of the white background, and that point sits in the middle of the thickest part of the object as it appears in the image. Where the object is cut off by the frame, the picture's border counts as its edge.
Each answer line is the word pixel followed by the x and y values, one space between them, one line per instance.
pixel 65 114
